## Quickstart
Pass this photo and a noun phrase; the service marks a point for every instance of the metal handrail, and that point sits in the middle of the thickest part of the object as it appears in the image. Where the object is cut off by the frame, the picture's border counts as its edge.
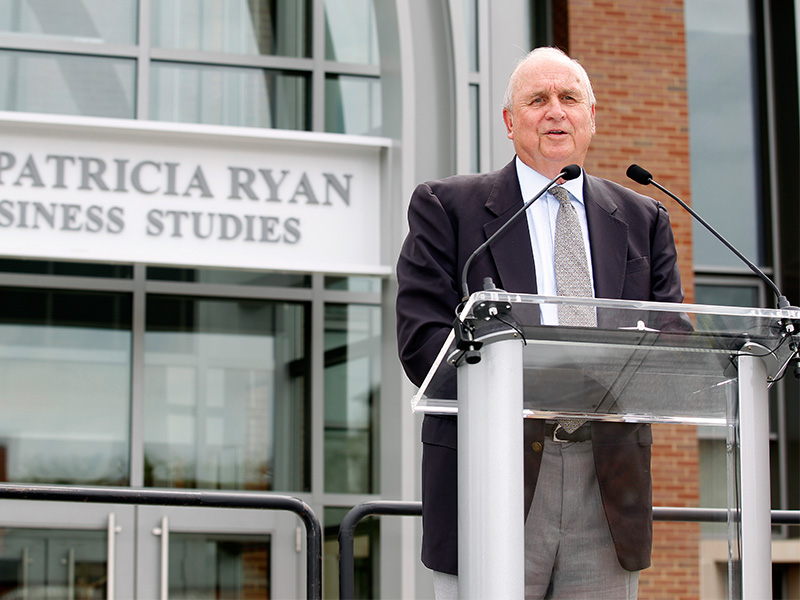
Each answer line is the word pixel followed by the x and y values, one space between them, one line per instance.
pixel 211 499
pixel 391 507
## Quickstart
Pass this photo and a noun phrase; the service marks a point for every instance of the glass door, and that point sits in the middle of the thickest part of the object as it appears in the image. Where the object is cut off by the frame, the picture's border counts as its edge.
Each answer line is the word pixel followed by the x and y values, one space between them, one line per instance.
pixel 219 553
pixel 72 551
pixel 65 550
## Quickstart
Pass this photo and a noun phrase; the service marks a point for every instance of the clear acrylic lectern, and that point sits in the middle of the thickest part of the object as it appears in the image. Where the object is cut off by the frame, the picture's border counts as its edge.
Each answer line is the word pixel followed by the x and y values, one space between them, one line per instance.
pixel 644 362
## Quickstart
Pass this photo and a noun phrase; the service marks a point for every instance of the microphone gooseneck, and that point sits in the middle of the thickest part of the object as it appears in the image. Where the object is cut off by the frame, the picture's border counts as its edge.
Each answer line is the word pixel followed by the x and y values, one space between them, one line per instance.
pixel 567 173
pixel 642 176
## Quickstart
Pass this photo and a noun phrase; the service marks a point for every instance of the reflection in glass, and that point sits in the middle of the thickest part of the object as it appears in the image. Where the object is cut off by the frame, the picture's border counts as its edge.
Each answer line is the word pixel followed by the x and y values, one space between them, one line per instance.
pixel 354 284
pixel 721 57
pixel 228 96
pixel 226 394
pixel 279 27
pixel 65 366
pixel 350 32
pixel 474 129
pixel 67 84
pixel 52 563
pixel 470 8
pixel 218 566
pixel 726 295
pixel 47 267
pixel 228 277
pixel 78 20
pixel 713 480
pixel 366 564
pixel 352 386
pixel 353 105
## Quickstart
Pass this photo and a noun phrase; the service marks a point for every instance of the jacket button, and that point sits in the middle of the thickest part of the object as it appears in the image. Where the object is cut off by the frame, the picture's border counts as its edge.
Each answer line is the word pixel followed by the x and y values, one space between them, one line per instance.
pixel 537 446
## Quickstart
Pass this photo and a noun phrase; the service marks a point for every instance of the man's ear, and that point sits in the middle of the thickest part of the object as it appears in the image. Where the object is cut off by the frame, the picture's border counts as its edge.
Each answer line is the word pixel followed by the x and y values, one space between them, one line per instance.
pixel 508 120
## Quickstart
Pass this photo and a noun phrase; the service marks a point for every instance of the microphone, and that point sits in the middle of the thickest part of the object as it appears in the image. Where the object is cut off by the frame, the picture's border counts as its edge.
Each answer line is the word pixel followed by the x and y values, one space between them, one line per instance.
pixel 642 176
pixel 567 173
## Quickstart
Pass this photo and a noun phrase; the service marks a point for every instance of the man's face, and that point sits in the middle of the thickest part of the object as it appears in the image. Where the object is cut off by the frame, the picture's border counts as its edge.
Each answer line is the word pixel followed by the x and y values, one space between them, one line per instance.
pixel 551 120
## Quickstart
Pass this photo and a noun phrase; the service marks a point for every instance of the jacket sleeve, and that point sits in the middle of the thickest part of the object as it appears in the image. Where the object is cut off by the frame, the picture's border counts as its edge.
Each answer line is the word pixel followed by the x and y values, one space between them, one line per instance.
pixel 427 278
pixel 665 276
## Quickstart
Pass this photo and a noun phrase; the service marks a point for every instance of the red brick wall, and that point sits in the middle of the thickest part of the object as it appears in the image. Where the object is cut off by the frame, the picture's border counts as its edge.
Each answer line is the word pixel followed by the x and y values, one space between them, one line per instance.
pixel 675 572
pixel 634 51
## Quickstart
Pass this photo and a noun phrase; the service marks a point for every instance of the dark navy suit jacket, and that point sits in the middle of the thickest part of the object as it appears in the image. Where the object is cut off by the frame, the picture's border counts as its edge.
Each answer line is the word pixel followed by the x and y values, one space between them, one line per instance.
pixel 633 257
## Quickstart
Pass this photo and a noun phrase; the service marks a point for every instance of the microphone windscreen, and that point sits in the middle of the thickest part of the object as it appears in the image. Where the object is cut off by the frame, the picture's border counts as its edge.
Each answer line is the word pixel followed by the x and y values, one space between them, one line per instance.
pixel 570 172
pixel 639 175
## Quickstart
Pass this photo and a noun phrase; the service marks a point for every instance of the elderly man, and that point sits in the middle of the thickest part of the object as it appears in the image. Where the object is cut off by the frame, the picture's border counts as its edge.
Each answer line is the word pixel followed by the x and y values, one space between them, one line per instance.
pixel 588 493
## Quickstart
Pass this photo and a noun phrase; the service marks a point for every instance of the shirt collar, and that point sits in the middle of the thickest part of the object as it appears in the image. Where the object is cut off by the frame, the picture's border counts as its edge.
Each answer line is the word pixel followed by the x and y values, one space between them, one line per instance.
pixel 530 182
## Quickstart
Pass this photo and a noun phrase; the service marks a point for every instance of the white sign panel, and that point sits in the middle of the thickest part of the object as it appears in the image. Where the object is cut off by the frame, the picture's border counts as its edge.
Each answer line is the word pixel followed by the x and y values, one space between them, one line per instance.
pixel 189 196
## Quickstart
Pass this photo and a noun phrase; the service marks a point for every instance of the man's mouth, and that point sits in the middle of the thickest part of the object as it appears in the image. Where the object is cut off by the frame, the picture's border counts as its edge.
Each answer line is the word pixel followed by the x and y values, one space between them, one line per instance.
pixel 556 132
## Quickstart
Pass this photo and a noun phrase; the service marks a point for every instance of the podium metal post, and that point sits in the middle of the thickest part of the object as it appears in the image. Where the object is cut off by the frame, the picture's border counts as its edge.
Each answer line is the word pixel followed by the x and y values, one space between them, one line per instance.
pixel 756 527
pixel 491 559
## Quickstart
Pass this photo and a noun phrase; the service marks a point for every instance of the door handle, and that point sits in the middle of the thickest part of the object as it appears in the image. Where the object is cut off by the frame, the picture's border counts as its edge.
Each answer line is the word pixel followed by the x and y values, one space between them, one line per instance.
pixel 26 560
pixel 111 551
pixel 163 531
pixel 71 574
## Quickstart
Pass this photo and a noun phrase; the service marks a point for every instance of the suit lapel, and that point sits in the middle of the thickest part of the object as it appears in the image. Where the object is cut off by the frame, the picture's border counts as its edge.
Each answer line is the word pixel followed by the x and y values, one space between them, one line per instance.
pixel 511 251
pixel 608 240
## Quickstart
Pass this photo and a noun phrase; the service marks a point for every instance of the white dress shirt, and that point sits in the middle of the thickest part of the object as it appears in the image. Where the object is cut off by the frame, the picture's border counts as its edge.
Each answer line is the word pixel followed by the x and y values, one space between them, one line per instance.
pixel 542 225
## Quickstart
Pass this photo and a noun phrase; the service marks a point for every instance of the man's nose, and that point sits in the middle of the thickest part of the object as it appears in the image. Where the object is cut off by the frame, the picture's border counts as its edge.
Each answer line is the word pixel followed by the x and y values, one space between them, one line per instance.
pixel 555 110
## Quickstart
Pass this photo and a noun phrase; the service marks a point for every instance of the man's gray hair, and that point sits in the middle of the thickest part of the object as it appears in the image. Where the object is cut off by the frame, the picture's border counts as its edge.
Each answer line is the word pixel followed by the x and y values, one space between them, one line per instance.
pixel 546 51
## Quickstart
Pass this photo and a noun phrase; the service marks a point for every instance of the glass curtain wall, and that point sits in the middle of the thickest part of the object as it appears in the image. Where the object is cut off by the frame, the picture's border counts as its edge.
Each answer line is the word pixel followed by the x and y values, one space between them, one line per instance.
pixel 66 372
pixel 244 63
pixel 352 383
pixel 727 104
pixel 723 71
pixel 96 21
pixel 226 386
pixel 192 378
pixel 226 399
pixel 226 394
pixel 352 101
pixel 470 10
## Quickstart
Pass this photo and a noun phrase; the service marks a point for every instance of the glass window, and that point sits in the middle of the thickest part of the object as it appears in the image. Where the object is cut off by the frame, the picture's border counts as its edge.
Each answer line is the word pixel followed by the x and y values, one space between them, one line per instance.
pixel 280 27
pixel 727 295
pixel 366 564
pixel 353 105
pixel 228 96
pixel 470 8
pixel 226 394
pixel 53 563
pixel 350 32
pixel 219 566
pixel 67 84
pixel 724 130
pixel 354 284
pixel 352 389
pixel 713 480
pixel 221 276
pixel 474 129
pixel 79 20
pixel 66 377
pixel 65 268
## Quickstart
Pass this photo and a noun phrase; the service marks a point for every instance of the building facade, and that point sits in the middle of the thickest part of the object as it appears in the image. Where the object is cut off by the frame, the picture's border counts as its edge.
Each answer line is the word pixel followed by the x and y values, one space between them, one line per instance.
pixel 201 204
